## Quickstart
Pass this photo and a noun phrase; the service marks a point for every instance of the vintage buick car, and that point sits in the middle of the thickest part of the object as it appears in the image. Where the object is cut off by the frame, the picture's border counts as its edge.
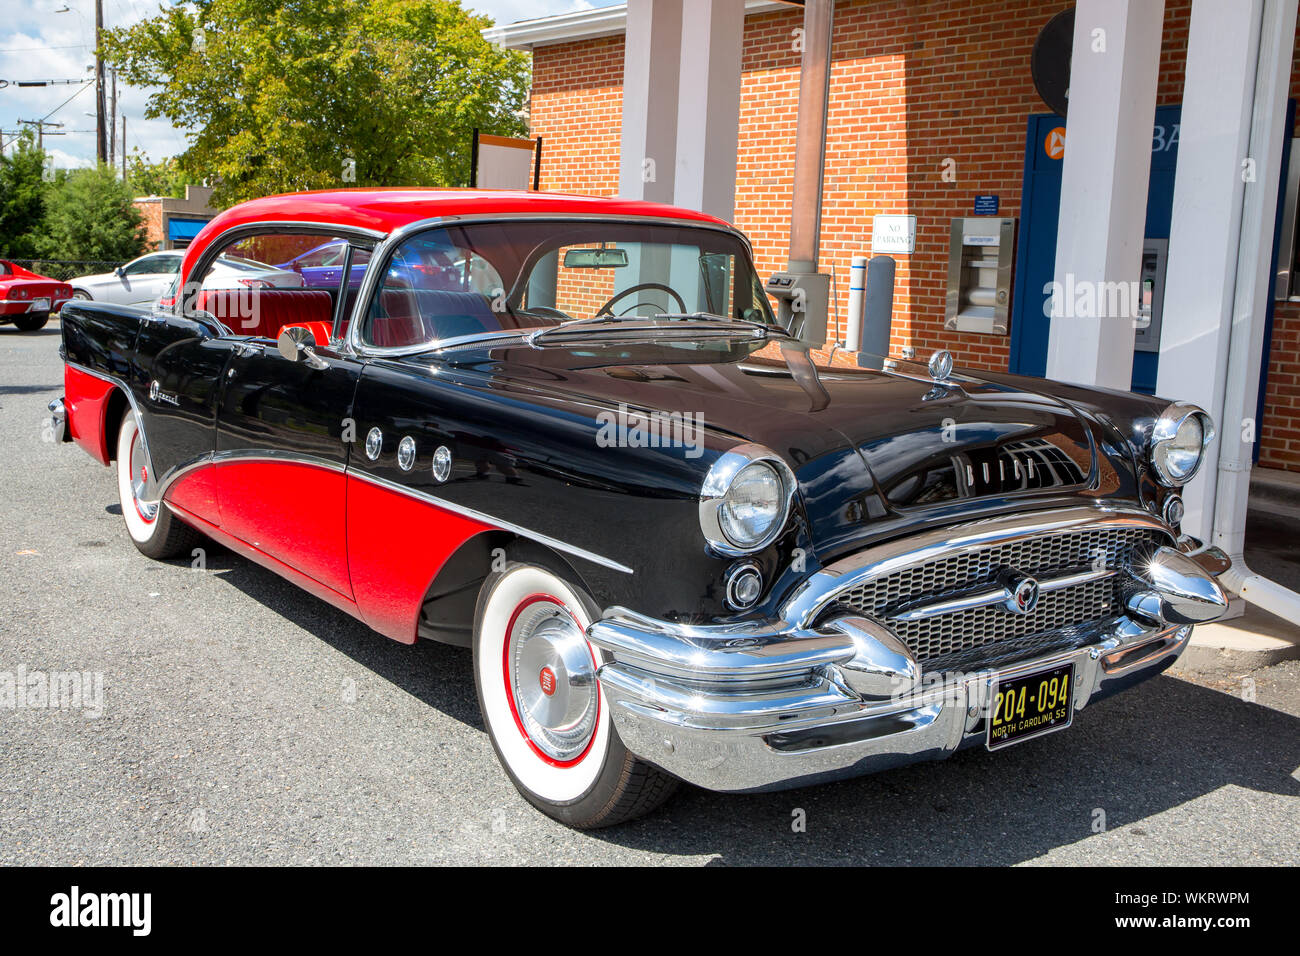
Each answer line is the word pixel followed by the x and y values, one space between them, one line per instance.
pixel 27 298
pixel 567 432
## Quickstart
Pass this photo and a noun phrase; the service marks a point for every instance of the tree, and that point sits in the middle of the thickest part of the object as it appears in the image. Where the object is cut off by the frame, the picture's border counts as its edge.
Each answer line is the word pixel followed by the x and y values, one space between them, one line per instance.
pixel 22 199
pixel 278 97
pixel 89 215
pixel 163 178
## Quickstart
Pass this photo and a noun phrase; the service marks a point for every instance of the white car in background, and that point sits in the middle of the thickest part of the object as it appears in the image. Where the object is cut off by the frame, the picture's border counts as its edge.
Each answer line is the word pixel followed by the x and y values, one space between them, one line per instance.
pixel 143 280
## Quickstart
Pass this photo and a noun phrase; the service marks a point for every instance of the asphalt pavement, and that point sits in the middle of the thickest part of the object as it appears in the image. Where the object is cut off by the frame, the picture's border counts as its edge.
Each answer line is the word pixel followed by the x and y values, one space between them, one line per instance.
pixel 242 721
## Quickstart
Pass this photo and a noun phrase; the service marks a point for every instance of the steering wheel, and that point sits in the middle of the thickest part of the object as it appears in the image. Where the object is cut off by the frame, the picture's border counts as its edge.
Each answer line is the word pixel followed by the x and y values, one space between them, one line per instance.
pixel 607 308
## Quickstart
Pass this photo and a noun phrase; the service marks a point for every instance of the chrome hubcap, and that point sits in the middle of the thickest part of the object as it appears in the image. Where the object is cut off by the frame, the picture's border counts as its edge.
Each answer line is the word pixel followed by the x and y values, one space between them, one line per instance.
pixel 553 680
pixel 140 481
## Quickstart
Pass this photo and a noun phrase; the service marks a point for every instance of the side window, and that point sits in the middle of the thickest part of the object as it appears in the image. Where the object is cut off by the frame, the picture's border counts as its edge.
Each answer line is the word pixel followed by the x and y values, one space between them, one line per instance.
pixel 147 265
pixel 433 290
pixel 260 283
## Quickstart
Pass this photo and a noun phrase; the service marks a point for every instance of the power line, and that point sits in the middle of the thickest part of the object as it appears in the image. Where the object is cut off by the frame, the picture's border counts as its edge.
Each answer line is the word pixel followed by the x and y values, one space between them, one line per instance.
pixel 37 49
pixel 84 87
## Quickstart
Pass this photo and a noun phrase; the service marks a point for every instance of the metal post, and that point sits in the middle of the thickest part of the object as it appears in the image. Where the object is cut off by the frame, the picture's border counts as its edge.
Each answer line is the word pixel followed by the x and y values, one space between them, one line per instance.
pixel 810 135
pixel 101 141
pixel 112 124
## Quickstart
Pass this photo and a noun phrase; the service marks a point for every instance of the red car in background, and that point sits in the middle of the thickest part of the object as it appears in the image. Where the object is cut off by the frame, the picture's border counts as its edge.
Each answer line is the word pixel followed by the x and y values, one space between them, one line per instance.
pixel 27 298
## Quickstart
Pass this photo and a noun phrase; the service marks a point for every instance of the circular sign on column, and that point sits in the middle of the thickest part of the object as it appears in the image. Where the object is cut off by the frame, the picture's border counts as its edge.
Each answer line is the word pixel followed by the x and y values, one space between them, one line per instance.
pixel 1050 63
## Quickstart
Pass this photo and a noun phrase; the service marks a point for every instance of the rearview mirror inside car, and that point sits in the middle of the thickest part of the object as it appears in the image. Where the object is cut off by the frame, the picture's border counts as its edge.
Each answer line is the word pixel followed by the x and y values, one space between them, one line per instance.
pixel 595 258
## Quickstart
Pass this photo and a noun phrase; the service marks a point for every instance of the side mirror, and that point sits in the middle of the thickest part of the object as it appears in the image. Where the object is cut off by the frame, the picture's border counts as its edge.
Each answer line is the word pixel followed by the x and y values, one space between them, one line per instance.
pixel 298 345
pixel 119 272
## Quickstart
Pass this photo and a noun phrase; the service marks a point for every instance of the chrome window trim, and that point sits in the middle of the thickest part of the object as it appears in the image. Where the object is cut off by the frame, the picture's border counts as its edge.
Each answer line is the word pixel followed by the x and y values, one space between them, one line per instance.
pixel 1166 427
pixel 274 455
pixel 383 251
pixel 718 482
pixel 819 590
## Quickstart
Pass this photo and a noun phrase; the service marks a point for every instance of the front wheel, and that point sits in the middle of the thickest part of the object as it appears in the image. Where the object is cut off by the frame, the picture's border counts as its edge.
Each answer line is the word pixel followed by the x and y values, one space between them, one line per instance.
pixel 154 530
pixel 543 706
pixel 31 321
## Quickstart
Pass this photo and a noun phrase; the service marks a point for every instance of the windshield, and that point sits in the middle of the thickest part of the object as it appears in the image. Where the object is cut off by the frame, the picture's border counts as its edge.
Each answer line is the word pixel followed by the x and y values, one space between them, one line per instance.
pixel 455 281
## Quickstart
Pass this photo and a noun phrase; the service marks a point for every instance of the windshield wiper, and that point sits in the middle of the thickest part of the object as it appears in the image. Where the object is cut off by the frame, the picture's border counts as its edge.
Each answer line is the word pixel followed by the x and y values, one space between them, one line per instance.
pixel 692 324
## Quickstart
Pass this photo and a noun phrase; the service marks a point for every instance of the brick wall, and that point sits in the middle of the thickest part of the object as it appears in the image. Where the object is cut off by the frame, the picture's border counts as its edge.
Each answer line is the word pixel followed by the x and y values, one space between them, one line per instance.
pixel 914 83
pixel 151 216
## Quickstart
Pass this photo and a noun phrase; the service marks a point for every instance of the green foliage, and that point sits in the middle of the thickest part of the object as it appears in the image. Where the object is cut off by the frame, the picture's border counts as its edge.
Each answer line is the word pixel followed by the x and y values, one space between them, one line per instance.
pixel 163 178
pixel 279 97
pixel 89 215
pixel 22 199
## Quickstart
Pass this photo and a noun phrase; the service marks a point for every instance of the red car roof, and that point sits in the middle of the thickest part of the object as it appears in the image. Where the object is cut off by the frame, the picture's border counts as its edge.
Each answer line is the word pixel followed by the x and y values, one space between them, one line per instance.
pixel 384 210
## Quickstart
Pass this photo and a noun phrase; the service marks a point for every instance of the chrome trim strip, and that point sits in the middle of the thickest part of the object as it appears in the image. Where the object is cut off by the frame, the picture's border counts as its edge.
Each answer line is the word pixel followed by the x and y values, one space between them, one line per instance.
pixel 275 455
pixel 969 602
pixel 816 592
pixel 480 516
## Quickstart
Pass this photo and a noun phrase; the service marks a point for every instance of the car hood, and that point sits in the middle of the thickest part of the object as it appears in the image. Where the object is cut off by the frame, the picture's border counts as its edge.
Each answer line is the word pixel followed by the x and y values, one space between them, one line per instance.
pixel 862 442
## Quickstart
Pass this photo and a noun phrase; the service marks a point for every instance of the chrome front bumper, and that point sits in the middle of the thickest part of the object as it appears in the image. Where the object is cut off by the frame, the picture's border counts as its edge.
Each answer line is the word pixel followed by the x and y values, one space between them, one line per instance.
pixel 770 705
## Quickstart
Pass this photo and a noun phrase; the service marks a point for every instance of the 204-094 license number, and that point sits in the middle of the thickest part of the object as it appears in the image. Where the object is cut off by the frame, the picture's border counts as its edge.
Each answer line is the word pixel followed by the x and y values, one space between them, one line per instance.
pixel 1029 706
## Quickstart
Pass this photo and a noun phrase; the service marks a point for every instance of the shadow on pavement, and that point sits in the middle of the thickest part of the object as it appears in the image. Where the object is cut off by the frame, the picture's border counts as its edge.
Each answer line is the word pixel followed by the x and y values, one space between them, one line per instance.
pixel 1153 748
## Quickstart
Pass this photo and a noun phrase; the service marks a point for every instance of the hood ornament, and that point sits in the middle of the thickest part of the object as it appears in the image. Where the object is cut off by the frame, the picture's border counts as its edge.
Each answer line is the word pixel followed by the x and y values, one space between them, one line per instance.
pixel 940 365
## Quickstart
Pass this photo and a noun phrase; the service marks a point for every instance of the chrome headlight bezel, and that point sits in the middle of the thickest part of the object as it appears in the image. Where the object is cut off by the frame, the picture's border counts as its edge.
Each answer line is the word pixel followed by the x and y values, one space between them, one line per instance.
pixel 1164 431
pixel 717 483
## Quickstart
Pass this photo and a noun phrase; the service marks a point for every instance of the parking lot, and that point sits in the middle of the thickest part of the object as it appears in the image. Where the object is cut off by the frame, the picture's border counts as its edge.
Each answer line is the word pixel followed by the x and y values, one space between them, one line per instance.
pixel 244 722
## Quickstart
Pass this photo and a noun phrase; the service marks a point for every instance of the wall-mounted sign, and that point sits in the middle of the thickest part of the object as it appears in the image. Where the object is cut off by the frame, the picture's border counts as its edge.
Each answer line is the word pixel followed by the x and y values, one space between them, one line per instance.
pixel 500 162
pixel 986 205
pixel 893 235
pixel 1054 144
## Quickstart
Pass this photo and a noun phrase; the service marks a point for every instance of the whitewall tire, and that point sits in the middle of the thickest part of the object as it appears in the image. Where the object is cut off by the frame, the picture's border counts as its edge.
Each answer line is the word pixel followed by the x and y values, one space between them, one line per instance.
pixel 543 707
pixel 153 528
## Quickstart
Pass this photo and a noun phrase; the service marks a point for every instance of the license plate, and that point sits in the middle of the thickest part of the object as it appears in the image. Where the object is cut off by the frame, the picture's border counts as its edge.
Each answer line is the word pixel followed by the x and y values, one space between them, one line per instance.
pixel 1029 706
pixel 40 305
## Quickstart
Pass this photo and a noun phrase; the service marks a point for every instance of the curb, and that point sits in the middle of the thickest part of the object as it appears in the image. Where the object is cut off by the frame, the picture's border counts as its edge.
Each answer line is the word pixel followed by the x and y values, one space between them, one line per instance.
pixel 1257 639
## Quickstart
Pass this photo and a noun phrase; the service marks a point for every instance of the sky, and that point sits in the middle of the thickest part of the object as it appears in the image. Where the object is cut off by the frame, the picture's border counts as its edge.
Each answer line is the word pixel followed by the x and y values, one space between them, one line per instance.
pixel 54 40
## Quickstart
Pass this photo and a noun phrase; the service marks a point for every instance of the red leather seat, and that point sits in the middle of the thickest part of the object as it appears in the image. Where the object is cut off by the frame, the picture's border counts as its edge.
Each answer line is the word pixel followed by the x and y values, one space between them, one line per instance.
pixel 320 331
pixel 264 312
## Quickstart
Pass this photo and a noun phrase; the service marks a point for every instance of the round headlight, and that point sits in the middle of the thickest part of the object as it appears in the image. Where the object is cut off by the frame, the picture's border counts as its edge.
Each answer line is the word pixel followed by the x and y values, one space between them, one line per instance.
pixel 751 505
pixel 745 500
pixel 1178 443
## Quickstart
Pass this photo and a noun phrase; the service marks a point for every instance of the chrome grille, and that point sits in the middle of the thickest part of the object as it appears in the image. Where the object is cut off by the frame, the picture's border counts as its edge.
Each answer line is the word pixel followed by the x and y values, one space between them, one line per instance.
pixel 947 635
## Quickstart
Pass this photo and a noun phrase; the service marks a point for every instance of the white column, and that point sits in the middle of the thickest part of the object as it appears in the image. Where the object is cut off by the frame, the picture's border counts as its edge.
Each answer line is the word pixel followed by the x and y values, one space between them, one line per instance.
pixel 708 106
pixel 651 62
pixel 1218 282
pixel 1115 63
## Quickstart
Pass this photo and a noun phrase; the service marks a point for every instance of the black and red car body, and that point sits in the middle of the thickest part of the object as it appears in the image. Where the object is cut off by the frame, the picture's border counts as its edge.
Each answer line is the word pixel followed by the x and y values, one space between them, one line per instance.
pixel 678 548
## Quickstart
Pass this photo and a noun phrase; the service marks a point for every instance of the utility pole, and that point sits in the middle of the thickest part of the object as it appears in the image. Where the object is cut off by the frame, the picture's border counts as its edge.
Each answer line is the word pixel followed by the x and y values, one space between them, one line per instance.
pixel 123 147
pixel 40 130
pixel 112 124
pixel 101 141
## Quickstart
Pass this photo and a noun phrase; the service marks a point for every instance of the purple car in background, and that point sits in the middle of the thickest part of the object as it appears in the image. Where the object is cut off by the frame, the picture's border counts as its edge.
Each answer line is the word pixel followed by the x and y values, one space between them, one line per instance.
pixel 322 266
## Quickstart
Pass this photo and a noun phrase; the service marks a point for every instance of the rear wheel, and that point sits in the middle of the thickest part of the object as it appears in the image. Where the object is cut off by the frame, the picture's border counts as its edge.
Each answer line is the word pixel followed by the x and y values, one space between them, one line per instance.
pixel 543 706
pixel 31 321
pixel 154 530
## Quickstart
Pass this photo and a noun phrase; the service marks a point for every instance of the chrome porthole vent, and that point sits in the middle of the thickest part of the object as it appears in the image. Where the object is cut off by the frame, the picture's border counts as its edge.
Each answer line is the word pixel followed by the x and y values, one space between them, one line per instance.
pixel 441 464
pixel 374 443
pixel 406 453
